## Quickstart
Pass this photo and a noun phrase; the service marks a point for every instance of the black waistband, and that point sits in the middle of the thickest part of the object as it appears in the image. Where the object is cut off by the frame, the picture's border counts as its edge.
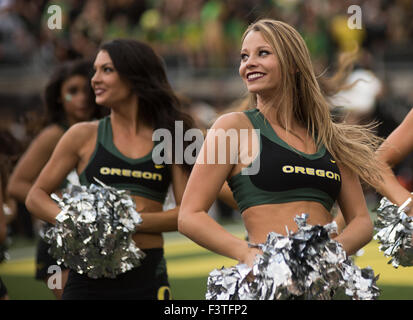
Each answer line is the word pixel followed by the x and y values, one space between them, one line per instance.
pixel 141 282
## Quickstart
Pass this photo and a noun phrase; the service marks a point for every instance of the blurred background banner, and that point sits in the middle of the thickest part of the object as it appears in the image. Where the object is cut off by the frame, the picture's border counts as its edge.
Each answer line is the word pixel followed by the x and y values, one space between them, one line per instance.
pixel 200 41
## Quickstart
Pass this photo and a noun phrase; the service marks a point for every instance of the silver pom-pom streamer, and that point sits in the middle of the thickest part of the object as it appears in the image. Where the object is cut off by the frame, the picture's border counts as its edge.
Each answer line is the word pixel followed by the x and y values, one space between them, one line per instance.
pixel 93 232
pixel 4 254
pixel 394 233
pixel 306 264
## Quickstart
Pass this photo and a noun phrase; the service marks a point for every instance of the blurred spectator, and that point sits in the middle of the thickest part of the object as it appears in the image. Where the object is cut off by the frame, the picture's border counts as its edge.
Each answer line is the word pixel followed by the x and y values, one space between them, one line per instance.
pixel 346 39
pixel 202 33
pixel 359 101
pixel 17 41
pixel 86 32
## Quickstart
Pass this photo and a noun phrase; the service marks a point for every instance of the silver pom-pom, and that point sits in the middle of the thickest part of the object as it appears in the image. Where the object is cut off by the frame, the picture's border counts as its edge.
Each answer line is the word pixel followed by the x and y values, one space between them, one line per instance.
pixel 4 254
pixel 93 232
pixel 306 264
pixel 394 233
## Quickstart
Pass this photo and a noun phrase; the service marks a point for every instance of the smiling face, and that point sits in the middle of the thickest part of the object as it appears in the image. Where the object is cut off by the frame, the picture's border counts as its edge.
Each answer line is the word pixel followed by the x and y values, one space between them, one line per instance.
pixel 259 67
pixel 74 94
pixel 110 89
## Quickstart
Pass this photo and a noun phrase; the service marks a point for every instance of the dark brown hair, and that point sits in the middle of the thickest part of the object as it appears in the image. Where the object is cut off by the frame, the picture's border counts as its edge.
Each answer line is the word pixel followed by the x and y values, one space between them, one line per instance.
pixel 159 106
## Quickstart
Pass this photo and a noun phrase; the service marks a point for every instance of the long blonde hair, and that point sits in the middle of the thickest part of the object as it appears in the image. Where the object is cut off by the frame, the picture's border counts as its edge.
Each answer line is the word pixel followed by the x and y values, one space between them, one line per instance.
pixel 300 96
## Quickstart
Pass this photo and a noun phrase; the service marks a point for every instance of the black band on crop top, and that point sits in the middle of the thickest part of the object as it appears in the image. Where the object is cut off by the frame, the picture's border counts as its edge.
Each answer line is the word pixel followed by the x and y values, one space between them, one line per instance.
pixel 285 174
pixel 142 177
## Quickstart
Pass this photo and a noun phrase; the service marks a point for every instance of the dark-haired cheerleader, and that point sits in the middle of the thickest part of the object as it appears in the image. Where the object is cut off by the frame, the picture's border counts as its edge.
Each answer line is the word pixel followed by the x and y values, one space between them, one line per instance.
pixel 68 100
pixel 131 81
pixel 10 149
pixel 3 234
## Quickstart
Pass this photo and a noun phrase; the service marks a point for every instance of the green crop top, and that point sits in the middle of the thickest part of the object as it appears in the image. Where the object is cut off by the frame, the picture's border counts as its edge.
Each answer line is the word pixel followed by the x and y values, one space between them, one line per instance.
pixel 142 177
pixel 285 174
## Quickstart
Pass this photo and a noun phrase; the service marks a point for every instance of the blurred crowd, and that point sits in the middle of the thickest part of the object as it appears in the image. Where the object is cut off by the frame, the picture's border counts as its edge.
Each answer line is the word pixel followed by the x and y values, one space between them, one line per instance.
pixel 197 33
pixel 205 35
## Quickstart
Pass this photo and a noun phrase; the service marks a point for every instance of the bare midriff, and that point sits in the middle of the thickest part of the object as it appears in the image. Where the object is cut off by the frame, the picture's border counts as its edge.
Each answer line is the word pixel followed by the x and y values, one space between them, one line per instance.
pixel 262 219
pixel 147 240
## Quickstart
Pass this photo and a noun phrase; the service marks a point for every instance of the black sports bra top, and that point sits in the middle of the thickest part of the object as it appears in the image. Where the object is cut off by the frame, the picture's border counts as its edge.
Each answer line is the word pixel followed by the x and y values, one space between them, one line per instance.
pixel 142 177
pixel 285 174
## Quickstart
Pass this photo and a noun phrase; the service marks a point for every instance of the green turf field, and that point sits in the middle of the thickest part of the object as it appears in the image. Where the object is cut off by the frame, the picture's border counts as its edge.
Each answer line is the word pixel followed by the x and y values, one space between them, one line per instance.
pixel 188 268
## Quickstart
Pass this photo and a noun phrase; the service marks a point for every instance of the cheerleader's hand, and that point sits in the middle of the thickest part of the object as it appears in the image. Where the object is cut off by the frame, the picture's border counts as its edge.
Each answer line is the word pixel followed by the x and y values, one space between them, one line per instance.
pixel 250 255
pixel 249 259
pixel 406 207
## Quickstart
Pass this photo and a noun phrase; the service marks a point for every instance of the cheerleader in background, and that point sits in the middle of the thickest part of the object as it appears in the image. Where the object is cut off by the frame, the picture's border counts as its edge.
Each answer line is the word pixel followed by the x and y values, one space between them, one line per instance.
pixel 131 81
pixel 9 151
pixel 68 100
pixel 397 146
